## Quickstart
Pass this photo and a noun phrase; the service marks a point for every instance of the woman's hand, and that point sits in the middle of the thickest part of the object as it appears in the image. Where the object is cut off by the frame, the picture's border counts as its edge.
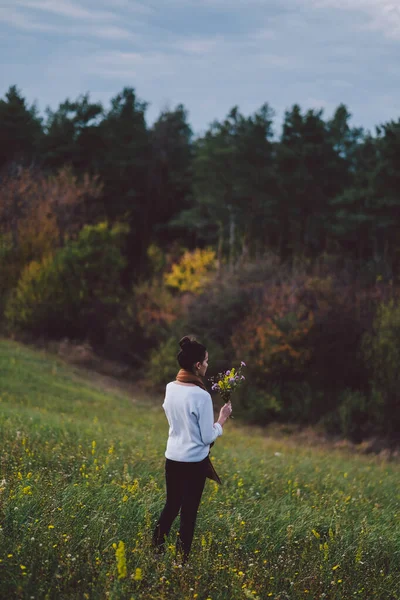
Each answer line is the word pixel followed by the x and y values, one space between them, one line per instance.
pixel 225 413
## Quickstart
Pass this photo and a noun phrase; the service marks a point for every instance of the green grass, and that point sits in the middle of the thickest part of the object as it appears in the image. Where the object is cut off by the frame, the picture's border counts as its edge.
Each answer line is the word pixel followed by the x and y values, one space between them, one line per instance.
pixel 82 469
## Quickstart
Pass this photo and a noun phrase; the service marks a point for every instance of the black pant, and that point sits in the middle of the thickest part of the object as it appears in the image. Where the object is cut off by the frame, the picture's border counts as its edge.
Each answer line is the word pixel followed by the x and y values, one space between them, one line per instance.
pixel 185 483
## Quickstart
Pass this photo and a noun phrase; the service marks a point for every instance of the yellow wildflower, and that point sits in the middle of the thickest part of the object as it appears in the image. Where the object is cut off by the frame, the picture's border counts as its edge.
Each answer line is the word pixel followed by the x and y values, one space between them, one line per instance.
pixel 121 560
pixel 317 535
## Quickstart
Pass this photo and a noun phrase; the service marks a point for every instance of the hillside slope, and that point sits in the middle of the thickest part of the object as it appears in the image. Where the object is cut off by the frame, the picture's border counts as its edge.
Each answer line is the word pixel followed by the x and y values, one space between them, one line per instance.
pixel 81 484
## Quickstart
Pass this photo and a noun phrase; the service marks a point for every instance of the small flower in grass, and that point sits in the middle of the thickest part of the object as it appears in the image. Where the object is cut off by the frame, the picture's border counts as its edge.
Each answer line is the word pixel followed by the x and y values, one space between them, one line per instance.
pixel 50 527
pixel 242 364
pixel 316 534
pixel 138 575
pixel 121 560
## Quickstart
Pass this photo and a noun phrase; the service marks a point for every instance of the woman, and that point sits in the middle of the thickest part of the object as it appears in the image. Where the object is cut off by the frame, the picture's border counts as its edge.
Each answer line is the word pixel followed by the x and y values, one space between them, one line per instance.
pixel 189 411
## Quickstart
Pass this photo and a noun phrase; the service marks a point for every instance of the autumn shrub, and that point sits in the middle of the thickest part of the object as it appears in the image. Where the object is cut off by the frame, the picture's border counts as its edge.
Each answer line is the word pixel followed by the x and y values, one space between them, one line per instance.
pixel 74 291
pixel 305 333
pixel 38 211
pixel 270 336
pixel 156 309
pixel 37 214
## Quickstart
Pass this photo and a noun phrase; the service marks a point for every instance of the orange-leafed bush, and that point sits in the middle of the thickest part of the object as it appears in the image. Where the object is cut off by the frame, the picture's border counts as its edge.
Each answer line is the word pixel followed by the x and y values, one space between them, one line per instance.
pixel 37 211
pixel 156 309
pixel 37 214
pixel 38 232
pixel 272 336
pixel 310 331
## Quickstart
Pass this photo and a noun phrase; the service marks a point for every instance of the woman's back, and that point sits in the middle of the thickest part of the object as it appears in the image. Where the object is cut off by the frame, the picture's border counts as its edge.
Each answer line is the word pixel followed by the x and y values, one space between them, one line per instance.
pixel 190 415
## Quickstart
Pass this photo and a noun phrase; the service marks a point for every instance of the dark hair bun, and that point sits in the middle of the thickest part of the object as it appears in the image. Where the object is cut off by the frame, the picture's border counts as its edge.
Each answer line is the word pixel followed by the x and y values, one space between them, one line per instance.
pixel 191 352
pixel 185 342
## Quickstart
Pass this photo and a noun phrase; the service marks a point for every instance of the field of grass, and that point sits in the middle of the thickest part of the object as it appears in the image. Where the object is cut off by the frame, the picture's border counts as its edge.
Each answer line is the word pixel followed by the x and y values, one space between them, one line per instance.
pixel 82 484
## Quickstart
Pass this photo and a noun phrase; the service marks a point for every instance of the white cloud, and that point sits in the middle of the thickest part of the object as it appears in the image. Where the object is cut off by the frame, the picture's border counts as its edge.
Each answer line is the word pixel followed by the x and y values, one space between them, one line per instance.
pixel 106 32
pixel 197 46
pixel 131 6
pixel 318 103
pixel 65 8
pixel 276 60
pixel 21 21
pixel 383 15
pixel 341 83
pixel 264 35
pixel 124 65
pixel 25 22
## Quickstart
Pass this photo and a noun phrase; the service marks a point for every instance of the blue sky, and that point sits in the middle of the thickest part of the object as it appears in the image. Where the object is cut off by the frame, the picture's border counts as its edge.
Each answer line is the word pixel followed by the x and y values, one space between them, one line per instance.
pixel 207 54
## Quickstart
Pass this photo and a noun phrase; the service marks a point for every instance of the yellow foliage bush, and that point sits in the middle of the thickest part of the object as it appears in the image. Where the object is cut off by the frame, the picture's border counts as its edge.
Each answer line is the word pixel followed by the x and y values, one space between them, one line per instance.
pixel 34 288
pixel 193 271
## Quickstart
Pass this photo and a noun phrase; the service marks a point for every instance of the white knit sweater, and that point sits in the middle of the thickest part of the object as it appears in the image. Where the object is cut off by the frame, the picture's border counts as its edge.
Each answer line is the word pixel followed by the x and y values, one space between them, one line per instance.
pixel 190 415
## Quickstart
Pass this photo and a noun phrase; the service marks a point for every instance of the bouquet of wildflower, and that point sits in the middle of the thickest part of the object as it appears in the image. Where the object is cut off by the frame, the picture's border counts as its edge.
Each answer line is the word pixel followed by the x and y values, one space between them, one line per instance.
pixel 226 383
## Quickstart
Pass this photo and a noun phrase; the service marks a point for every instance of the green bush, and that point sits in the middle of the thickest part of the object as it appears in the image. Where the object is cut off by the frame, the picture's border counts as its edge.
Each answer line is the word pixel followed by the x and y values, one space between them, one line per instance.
pixel 162 365
pixel 258 406
pixel 353 414
pixel 10 269
pixel 73 292
pixel 37 300
pixel 381 349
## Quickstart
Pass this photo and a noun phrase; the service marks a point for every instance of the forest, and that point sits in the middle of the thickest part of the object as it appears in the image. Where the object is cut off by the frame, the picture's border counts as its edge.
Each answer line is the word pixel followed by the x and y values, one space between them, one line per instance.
pixel 279 248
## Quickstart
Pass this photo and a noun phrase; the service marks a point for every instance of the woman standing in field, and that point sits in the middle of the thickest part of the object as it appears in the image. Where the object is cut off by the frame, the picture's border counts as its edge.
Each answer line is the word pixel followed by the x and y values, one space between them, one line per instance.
pixel 189 411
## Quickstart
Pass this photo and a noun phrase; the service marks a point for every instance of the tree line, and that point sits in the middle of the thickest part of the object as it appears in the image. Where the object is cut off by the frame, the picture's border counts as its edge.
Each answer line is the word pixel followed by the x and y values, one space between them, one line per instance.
pixel 321 186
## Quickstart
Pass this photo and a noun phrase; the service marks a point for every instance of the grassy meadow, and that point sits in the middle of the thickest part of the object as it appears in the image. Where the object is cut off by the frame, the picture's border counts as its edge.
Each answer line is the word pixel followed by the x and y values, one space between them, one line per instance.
pixel 82 484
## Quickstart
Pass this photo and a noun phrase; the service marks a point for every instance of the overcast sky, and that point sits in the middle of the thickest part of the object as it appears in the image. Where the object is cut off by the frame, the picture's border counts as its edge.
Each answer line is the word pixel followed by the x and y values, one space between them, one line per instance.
pixel 207 54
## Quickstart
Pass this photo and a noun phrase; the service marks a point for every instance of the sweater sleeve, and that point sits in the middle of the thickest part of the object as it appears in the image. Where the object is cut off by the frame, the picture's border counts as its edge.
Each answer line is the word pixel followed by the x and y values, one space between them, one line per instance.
pixel 209 431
